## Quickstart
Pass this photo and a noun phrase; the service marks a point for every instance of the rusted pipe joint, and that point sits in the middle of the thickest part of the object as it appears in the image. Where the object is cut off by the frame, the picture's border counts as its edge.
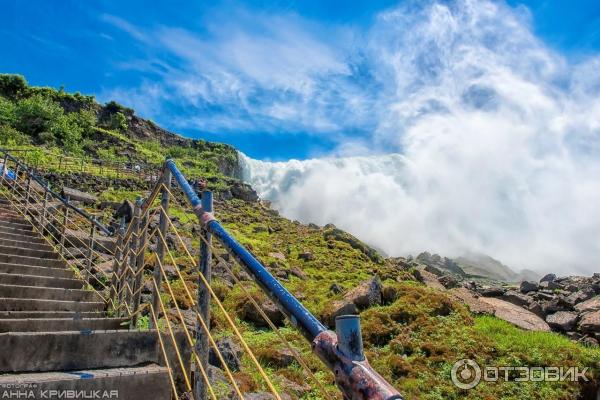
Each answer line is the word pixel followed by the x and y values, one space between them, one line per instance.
pixel 356 379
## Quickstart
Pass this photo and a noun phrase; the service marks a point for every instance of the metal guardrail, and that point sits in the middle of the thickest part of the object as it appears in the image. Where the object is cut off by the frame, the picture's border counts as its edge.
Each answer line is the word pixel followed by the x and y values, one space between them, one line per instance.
pixel 340 350
pixel 20 167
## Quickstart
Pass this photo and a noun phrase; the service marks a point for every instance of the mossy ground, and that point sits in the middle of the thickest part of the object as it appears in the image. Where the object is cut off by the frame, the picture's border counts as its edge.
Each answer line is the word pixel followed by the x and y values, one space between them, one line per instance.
pixel 413 341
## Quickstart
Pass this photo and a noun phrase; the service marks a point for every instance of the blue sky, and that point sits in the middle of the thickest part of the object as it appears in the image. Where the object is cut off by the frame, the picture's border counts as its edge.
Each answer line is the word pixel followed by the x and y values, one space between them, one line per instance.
pixel 277 79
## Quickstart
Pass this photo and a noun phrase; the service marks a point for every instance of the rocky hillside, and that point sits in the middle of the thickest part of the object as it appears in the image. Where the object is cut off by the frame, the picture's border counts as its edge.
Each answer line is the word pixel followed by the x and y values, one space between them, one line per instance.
pixel 418 320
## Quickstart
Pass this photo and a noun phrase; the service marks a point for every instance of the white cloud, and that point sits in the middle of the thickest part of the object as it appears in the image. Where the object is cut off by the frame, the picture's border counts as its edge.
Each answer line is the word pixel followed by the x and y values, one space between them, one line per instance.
pixel 498 138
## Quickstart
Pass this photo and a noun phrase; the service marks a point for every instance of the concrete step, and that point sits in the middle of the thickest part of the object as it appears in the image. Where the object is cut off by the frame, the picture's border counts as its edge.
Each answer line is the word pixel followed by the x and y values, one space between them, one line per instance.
pixel 29 251
pixel 18 224
pixel 8 268
pixel 33 292
pixel 51 314
pixel 128 383
pixel 12 231
pixel 62 324
pixel 60 351
pixel 13 218
pixel 22 238
pixel 40 281
pixel 13 304
pixel 18 243
pixel 33 261
pixel 8 228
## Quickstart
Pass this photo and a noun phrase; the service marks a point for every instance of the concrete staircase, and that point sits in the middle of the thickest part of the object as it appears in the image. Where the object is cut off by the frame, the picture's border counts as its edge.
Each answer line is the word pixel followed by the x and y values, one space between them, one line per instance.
pixel 54 332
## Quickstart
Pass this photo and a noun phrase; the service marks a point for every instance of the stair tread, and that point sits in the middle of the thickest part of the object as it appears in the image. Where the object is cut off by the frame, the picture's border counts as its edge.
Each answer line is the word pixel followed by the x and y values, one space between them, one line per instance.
pixel 49 300
pixel 3 274
pixel 49 376
pixel 54 314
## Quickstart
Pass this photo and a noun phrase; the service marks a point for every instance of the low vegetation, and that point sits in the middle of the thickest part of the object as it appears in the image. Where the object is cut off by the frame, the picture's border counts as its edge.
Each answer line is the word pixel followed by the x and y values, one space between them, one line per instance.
pixel 413 340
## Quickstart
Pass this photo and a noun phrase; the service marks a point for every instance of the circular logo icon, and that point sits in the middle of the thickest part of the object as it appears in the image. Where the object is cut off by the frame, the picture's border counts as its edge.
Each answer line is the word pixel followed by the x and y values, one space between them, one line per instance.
pixel 465 374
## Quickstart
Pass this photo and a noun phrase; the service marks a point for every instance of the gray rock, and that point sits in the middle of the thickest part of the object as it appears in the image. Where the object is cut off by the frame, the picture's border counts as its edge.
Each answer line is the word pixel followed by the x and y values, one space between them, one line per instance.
pixel 548 278
pixel 249 313
pixel 549 285
pixel 590 322
pixel 337 308
pixel 230 352
pixel 580 296
pixel 493 291
pixel 562 320
pixel 516 298
pixel 555 305
pixel 366 294
pixel 528 286
pixel 449 282
pixel 306 256
pixel 592 304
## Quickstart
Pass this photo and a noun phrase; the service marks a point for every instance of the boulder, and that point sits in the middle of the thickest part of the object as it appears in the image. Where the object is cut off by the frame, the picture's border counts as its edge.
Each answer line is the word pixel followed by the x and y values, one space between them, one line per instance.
pixel 548 278
pixel 516 315
pixel 277 255
pixel 555 305
pixel 426 277
pixel 528 286
pixel 243 191
pixel 473 302
pixel 449 281
pixel 230 351
pixel 580 296
pixel 279 358
pixel 592 304
pixel 306 256
pixel 298 273
pixel 337 308
pixel 590 322
pixel 78 195
pixel 249 313
pixel 549 285
pixel 537 309
pixel 563 320
pixel 516 298
pixel 366 294
pixel 493 291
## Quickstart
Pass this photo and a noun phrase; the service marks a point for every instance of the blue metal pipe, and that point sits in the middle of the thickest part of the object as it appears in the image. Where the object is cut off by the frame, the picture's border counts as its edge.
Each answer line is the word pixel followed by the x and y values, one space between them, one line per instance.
pixel 300 317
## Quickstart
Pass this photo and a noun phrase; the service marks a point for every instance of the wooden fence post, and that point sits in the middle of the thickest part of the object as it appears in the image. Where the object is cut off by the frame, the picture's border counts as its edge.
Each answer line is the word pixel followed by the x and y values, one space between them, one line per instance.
pixel 202 344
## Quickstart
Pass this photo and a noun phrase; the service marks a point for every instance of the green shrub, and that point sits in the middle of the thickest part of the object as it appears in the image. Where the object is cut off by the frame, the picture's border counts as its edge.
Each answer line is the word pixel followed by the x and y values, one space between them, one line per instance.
pixel 9 136
pixel 7 112
pixel 12 86
pixel 118 121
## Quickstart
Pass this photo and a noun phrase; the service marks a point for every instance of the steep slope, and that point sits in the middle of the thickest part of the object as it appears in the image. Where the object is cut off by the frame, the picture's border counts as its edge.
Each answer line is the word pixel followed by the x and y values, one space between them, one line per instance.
pixel 413 334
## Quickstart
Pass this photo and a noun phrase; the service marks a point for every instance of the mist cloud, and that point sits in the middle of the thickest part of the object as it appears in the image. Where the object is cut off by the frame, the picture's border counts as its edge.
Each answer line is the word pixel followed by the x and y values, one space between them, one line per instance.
pixel 495 140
